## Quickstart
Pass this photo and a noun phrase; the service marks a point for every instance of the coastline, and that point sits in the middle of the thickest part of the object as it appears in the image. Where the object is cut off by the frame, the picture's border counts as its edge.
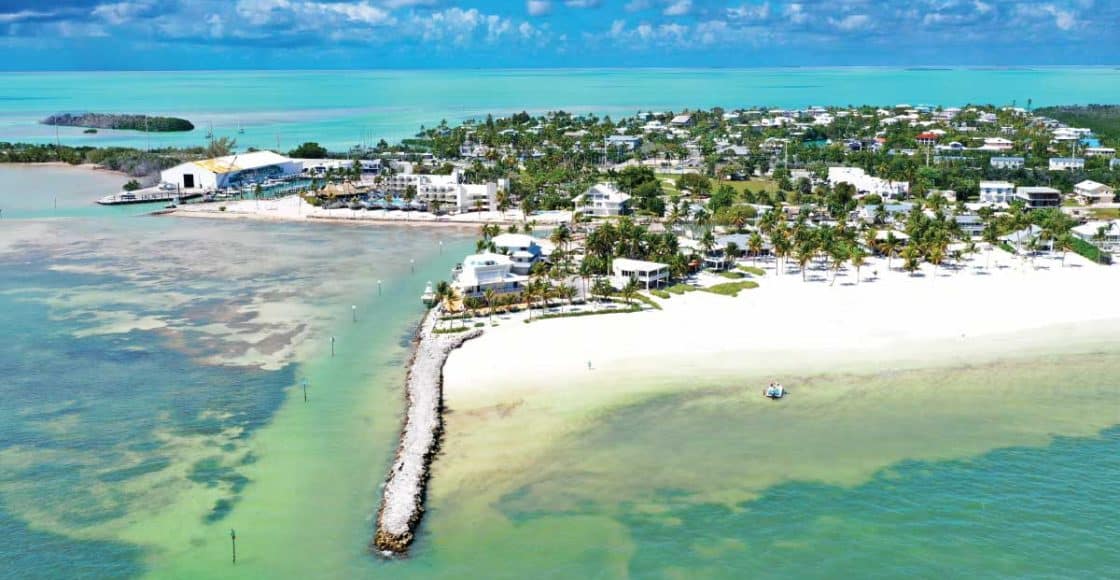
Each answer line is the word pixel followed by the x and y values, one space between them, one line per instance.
pixel 876 373
pixel 62 164
pixel 294 208
pixel 405 489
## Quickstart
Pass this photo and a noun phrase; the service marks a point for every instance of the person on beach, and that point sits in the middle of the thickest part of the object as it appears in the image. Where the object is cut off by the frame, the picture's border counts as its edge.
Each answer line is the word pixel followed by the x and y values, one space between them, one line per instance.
pixel 588 365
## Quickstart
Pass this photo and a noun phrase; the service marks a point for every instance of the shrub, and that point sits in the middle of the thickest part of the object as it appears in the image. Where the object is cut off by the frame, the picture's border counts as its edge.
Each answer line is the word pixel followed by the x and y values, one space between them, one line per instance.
pixel 753 270
pixel 662 294
pixel 733 275
pixel 221 208
pixel 732 288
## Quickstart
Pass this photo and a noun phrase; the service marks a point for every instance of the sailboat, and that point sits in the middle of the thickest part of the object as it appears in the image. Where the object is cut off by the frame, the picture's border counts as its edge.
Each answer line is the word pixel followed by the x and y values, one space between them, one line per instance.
pixel 240 130
pixel 210 132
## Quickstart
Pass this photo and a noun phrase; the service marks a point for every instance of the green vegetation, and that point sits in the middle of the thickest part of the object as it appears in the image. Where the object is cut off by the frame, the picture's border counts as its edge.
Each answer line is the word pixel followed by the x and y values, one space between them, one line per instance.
pixel 733 275
pixel 647 300
pixel 628 308
pixel 754 271
pixel 662 294
pixel 1089 251
pixel 309 150
pixel 132 185
pixel 120 122
pixel 680 289
pixel 1104 120
pixel 451 330
pixel 731 288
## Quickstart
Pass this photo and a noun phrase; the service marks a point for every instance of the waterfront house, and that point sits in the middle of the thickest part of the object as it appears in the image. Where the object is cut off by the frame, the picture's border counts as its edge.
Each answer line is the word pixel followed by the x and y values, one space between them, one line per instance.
pixel 1008 162
pixel 1105 235
pixel 481 272
pixel 1066 163
pixel 602 200
pixel 230 171
pixel 1039 197
pixel 1090 192
pixel 523 250
pixel 996 191
pixel 646 274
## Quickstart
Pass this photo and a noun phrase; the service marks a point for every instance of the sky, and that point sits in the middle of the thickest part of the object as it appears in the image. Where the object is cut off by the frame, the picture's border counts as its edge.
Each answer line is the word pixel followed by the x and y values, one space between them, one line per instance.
pixel 409 34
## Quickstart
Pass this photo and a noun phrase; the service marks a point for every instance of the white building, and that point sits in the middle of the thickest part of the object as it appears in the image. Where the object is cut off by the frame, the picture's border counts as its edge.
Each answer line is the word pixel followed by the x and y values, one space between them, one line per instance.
pixel 602 200
pixel 1039 197
pixel 1093 192
pixel 1100 152
pixel 1008 162
pixel 1104 235
pixel 646 274
pixel 523 250
pixel 996 191
pixel 446 190
pixel 1066 163
pixel 997 144
pixel 682 121
pixel 230 171
pixel 481 272
pixel 866 184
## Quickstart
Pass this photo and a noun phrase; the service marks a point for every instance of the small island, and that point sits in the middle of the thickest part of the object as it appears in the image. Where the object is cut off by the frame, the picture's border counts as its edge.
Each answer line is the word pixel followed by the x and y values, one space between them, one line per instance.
pixel 143 123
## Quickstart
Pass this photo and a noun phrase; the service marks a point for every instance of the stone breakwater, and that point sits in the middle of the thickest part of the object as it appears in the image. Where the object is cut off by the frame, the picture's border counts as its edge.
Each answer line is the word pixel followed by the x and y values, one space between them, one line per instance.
pixel 402 504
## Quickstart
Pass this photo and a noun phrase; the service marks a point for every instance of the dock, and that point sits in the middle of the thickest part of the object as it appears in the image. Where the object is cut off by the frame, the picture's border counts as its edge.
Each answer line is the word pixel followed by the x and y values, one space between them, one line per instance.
pixel 402 504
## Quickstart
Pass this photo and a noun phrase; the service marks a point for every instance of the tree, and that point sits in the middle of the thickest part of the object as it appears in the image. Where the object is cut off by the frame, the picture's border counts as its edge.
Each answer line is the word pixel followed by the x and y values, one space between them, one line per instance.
pixel 602 288
pixel 857 256
pixel 629 290
pixel 309 150
pixel 132 185
pixel 489 295
pixel 911 259
pixel 754 244
pixel 889 247
pixel 220 147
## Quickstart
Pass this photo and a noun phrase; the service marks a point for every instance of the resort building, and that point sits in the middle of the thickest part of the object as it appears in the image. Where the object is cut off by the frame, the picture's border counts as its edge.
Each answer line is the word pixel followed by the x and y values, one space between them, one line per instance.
pixel 1039 197
pixel 1091 192
pixel 996 191
pixel 997 144
pixel 602 200
pixel 481 272
pixel 523 250
pixel 1008 162
pixel 646 274
pixel 1104 235
pixel 230 171
pixel 1100 152
pixel 445 190
pixel 1066 163
pixel 625 142
pixel 867 184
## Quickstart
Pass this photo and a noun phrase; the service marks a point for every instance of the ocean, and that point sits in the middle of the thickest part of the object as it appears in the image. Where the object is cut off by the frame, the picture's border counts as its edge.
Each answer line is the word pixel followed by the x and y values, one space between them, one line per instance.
pixel 340 109
pixel 153 381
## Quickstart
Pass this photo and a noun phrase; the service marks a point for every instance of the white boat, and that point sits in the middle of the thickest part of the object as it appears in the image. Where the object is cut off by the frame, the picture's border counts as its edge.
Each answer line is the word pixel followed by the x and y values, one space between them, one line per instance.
pixel 775 391
pixel 429 295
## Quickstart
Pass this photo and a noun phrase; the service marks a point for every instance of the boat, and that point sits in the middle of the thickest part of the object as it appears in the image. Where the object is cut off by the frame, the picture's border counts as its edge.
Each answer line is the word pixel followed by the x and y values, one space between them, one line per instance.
pixel 151 195
pixel 429 295
pixel 174 203
pixel 774 392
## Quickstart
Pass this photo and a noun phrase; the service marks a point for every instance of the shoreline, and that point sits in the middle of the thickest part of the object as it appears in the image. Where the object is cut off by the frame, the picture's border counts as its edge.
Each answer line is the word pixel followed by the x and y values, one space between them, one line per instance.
pixel 402 504
pixel 62 164
pixel 293 208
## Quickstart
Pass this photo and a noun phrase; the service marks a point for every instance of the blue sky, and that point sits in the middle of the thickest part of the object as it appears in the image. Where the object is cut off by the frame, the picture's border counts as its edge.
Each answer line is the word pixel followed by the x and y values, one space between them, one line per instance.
pixel 217 34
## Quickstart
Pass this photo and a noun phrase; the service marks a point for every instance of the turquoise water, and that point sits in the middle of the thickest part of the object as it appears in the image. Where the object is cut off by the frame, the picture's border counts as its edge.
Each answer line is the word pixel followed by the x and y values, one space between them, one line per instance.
pixel 345 108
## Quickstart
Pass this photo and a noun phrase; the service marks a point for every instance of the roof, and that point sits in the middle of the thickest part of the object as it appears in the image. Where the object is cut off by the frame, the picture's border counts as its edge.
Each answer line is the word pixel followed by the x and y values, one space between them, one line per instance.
pixel 242 162
pixel 1111 228
pixel 1091 185
pixel 639 265
pixel 515 241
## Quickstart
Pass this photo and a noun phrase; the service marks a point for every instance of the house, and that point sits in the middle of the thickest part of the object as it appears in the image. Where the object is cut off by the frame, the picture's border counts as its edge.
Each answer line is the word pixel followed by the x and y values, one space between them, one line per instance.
pixel 523 250
pixel 997 144
pixel 866 184
pixel 1066 163
pixel 230 171
pixel 1008 162
pixel 481 272
pixel 1104 235
pixel 970 224
pixel 1021 238
pixel 681 121
pixel 1090 191
pixel 646 274
pixel 1107 152
pixel 996 191
pixel 889 212
pixel 602 200
pixel 1039 197
pixel 626 142
pixel 927 138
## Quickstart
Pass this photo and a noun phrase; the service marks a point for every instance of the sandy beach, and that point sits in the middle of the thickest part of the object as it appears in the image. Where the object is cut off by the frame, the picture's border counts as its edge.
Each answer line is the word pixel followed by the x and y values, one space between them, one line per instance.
pixel 294 208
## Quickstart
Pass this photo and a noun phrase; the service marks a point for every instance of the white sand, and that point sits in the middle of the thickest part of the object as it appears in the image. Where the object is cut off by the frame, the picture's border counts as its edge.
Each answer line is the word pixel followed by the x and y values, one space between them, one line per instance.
pixel 294 208
pixel 790 326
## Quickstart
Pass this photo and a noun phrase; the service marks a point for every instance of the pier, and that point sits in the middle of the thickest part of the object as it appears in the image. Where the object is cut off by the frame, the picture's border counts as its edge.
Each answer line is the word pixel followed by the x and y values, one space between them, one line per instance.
pixel 402 504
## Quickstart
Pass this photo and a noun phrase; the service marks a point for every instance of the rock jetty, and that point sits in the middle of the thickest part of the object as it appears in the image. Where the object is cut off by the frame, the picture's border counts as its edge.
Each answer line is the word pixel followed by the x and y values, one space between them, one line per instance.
pixel 402 504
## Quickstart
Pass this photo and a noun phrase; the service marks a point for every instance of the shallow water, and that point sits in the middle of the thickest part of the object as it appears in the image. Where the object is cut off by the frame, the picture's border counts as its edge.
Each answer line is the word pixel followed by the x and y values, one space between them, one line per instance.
pixel 153 395
pixel 281 109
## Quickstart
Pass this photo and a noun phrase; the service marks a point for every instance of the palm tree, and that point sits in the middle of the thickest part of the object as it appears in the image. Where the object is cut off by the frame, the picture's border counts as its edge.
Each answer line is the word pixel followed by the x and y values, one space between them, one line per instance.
pixel 911 259
pixel 856 256
pixel 409 195
pixel 990 237
pixel 936 255
pixel 489 295
pixel 805 252
pixel 629 290
pixel 839 254
pixel 754 244
pixel 889 246
pixel 1099 237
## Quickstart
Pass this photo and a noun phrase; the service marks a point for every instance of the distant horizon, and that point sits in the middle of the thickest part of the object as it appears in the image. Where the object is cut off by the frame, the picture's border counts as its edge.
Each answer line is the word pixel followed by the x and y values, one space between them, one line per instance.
pixel 903 67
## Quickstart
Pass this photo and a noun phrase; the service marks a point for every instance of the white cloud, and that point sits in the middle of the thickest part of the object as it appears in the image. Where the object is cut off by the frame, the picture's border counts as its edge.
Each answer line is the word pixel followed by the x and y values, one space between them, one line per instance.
pixel 6 17
pixel 678 8
pixel 120 12
pixel 538 7
pixel 750 12
pixel 637 5
pixel 851 22
pixel 795 13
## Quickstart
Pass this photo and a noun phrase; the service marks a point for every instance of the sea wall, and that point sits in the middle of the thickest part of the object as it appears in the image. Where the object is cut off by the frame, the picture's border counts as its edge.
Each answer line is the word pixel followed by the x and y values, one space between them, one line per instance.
pixel 402 504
